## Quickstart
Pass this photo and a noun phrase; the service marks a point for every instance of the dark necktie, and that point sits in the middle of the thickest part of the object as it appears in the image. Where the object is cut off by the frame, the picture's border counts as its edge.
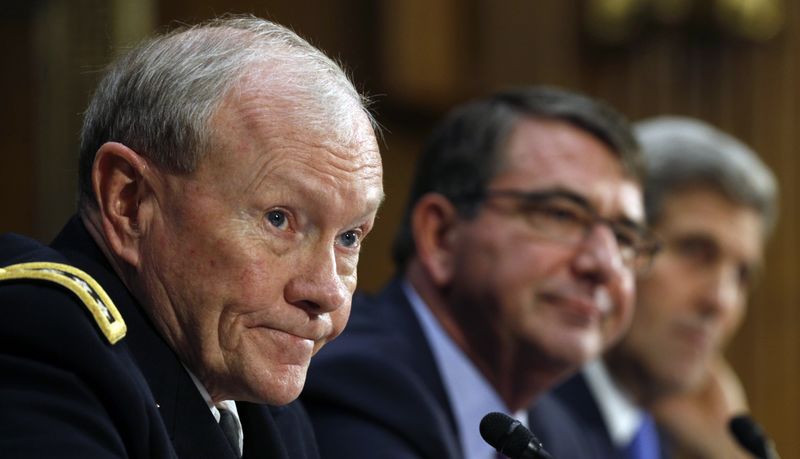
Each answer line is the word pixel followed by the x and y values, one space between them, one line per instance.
pixel 230 427
pixel 645 444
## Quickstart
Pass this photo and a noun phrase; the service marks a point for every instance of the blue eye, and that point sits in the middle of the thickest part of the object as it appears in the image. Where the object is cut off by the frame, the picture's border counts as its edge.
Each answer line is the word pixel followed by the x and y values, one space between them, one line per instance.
pixel 350 239
pixel 277 219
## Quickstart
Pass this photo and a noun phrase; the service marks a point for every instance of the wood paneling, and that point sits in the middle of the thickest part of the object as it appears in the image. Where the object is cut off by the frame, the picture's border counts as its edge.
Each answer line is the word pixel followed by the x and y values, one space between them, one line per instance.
pixel 419 57
pixel 16 123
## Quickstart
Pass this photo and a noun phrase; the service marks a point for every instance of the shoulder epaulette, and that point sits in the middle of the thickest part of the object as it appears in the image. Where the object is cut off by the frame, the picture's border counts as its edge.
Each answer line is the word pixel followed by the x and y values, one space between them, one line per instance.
pixel 81 284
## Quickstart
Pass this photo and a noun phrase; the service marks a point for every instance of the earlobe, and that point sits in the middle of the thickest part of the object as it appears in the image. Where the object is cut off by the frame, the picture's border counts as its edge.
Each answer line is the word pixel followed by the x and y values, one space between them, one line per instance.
pixel 120 183
pixel 434 225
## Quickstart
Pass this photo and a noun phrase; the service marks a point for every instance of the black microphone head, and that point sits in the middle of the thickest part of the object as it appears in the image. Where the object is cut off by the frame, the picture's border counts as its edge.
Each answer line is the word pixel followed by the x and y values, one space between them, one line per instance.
pixel 750 435
pixel 505 434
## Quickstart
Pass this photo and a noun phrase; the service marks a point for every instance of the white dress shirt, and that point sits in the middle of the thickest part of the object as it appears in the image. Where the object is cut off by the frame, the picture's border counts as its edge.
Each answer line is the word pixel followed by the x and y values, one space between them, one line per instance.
pixel 229 405
pixel 621 415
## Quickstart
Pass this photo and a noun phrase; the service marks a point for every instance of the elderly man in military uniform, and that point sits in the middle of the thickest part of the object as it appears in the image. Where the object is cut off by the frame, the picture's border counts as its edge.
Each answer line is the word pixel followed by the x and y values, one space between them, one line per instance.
pixel 228 173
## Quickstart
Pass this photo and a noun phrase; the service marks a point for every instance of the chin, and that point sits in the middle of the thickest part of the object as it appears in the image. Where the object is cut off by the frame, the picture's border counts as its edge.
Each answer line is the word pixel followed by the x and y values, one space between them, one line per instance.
pixel 282 388
pixel 280 398
pixel 590 347
pixel 694 380
pixel 681 380
pixel 575 354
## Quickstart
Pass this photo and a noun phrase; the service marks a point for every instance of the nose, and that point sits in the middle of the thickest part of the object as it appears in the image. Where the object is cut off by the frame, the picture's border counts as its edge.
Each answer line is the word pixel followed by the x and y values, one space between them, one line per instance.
pixel 316 286
pixel 598 258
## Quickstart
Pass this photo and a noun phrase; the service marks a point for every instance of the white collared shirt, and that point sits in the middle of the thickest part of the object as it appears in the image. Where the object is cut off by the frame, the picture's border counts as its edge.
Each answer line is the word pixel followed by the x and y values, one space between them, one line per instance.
pixel 621 415
pixel 471 396
pixel 229 405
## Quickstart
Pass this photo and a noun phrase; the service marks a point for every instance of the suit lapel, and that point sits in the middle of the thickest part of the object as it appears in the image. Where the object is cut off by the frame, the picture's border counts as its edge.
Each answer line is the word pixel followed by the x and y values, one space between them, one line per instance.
pixel 399 315
pixel 577 397
pixel 261 434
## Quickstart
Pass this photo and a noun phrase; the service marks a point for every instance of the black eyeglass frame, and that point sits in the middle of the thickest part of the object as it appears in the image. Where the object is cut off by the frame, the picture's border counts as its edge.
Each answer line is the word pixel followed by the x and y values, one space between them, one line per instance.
pixel 644 244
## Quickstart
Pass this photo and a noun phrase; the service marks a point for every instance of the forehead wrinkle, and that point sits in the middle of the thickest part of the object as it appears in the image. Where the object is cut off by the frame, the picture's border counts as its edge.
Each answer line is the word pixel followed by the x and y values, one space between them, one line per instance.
pixel 279 118
pixel 281 139
pixel 295 164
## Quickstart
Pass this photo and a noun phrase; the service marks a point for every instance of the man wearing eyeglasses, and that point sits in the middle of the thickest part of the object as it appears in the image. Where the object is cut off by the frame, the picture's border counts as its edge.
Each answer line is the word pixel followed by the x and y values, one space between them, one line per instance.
pixel 712 203
pixel 516 264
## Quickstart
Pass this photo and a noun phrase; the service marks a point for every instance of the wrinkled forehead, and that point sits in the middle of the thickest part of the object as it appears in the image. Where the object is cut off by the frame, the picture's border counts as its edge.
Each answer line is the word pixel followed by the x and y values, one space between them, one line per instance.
pixel 262 106
pixel 318 103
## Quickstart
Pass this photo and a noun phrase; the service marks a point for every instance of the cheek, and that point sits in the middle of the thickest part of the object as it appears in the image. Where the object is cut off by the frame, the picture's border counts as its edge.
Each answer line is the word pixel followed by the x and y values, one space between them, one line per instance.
pixel 666 287
pixel 252 291
pixel 347 265
pixel 627 295
pixel 620 320
pixel 732 319
pixel 653 314
pixel 339 320
pixel 514 281
pixel 527 266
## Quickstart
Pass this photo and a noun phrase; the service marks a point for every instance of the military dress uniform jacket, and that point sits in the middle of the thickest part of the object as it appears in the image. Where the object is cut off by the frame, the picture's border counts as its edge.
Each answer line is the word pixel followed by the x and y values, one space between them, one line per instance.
pixel 68 389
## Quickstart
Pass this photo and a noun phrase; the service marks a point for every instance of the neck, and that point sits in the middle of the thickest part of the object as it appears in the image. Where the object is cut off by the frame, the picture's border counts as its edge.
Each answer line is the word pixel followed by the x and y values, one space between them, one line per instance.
pixel 631 378
pixel 518 372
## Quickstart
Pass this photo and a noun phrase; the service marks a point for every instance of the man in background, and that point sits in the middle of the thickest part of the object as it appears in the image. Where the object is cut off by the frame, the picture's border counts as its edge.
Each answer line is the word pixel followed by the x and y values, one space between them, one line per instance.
pixel 228 173
pixel 712 203
pixel 515 265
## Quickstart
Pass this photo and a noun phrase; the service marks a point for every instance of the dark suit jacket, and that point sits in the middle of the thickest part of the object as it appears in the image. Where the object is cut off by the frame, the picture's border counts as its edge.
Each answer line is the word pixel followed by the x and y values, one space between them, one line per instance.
pixel 376 391
pixel 67 392
pixel 583 413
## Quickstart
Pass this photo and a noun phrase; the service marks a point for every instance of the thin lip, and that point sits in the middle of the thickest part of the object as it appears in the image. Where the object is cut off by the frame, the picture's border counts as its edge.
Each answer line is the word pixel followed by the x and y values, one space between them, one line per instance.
pixel 313 336
pixel 577 305
pixel 698 336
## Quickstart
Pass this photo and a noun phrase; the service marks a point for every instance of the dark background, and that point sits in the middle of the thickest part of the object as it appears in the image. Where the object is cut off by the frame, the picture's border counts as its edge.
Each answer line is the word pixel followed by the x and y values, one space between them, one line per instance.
pixel 739 71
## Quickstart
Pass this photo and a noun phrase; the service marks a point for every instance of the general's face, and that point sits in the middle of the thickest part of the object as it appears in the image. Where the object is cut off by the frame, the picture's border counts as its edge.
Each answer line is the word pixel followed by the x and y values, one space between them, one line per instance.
pixel 695 294
pixel 250 261
pixel 539 297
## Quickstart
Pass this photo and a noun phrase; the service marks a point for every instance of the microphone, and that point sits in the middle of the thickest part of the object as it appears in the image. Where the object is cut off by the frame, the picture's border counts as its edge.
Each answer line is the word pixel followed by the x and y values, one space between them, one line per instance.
pixel 751 437
pixel 509 437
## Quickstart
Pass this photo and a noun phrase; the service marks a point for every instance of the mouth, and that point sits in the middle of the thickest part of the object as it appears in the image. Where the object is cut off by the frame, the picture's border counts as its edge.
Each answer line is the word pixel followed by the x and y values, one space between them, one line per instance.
pixel 296 335
pixel 697 338
pixel 290 339
pixel 298 328
pixel 578 309
pixel 288 347
pixel 312 336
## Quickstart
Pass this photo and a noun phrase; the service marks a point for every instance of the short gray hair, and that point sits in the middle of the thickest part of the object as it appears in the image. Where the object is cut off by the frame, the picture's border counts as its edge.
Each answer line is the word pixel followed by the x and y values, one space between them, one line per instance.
pixel 158 98
pixel 682 152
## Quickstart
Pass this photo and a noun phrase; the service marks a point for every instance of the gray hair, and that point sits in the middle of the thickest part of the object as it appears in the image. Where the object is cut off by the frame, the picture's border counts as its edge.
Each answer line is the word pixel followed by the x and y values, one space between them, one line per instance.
pixel 683 152
pixel 158 99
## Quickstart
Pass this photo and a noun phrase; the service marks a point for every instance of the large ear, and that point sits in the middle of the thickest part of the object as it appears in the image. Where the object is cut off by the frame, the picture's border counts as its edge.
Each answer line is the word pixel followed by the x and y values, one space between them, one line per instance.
pixel 434 223
pixel 121 183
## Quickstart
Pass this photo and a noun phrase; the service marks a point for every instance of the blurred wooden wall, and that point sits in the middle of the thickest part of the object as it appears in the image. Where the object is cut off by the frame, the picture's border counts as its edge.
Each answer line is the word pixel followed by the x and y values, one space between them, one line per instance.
pixel 418 57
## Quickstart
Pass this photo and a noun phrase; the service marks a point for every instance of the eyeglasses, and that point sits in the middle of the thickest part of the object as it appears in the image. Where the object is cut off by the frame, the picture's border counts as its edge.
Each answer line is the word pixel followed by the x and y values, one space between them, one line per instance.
pixel 568 218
